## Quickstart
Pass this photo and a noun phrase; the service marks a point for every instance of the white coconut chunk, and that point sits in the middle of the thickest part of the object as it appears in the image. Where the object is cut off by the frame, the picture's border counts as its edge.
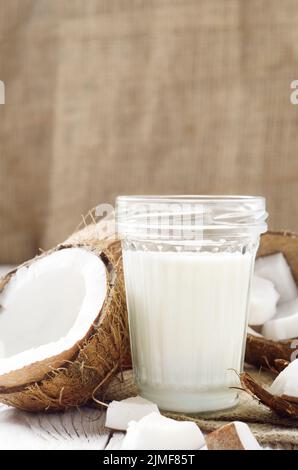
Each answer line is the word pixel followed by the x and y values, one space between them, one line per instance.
pixel 115 442
pixel 286 383
pixel 263 301
pixel 232 436
pixel 284 325
pixel 120 413
pixel 156 432
pixel 288 308
pixel 281 327
pixel 49 306
pixel 276 269
pixel 248 440
pixel 253 332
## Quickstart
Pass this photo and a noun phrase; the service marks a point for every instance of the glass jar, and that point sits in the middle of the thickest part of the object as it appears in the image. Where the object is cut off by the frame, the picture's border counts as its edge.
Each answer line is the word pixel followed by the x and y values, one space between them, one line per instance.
pixel 188 262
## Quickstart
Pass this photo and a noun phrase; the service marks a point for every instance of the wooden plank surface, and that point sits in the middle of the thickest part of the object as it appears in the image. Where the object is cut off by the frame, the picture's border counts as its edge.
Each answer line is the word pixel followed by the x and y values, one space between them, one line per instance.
pixel 76 429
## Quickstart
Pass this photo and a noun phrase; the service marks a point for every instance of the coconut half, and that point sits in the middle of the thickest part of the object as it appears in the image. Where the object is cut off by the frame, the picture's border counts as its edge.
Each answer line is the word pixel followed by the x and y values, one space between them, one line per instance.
pixel 259 350
pixel 63 326
pixel 50 305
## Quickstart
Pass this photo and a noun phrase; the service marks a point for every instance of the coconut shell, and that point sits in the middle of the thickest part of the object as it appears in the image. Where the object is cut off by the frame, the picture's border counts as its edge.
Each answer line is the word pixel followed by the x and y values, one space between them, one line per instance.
pixel 74 376
pixel 282 405
pixel 261 351
pixel 224 438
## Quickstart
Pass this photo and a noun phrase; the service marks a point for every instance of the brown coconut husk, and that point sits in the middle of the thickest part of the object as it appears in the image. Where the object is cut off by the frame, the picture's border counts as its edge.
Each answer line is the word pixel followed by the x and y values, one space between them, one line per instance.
pixel 280 365
pixel 261 351
pixel 283 405
pixel 73 377
pixel 224 438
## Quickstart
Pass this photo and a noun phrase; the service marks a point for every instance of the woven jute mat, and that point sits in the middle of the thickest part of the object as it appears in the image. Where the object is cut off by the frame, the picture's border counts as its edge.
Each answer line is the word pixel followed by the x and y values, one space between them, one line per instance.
pixel 269 429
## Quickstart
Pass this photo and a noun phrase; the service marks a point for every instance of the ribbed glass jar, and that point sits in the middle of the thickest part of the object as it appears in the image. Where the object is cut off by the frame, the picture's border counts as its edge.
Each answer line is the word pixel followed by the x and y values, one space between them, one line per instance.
pixel 187 265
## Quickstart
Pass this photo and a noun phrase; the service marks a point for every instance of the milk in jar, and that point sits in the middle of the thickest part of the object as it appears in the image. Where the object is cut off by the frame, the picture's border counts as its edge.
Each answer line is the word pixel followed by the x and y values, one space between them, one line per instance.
pixel 187 295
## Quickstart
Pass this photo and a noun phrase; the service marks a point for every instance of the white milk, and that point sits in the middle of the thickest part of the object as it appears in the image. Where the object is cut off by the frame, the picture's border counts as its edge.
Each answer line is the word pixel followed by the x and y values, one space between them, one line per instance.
pixel 187 315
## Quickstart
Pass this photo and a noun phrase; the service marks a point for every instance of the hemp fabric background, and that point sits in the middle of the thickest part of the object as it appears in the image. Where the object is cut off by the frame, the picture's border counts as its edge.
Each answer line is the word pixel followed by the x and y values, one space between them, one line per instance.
pixel 105 97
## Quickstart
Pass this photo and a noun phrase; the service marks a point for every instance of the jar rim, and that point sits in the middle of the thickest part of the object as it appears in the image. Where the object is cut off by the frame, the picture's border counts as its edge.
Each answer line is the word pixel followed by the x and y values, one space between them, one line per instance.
pixel 156 215
pixel 191 198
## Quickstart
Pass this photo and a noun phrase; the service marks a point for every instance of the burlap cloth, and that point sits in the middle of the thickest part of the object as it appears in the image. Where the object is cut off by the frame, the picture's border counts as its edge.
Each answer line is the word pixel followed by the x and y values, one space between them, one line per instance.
pixel 137 96
pixel 269 429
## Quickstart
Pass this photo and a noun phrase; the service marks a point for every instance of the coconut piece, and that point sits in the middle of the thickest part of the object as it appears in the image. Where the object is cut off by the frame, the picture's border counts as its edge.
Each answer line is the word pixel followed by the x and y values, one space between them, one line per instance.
pixel 232 436
pixel 261 351
pixel 286 383
pixel 284 325
pixel 253 332
pixel 264 352
pixel 288 308
pixel 115 442
pixel 282 405
pixel 280 364
pixel 156 432
pixel 276 269
pixel 67 310
pixel 51 304
pixel 281 327
pixel 263 301
pixel 99 231
pixel 120 413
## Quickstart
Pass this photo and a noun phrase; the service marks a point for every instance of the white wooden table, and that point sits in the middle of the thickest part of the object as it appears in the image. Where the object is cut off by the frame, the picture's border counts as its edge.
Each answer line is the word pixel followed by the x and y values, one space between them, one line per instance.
pixel 77 429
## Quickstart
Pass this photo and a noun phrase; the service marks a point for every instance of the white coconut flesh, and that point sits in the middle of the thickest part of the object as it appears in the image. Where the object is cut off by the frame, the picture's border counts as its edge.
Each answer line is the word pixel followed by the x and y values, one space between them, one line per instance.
pixel 286 383
pixel 47 307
